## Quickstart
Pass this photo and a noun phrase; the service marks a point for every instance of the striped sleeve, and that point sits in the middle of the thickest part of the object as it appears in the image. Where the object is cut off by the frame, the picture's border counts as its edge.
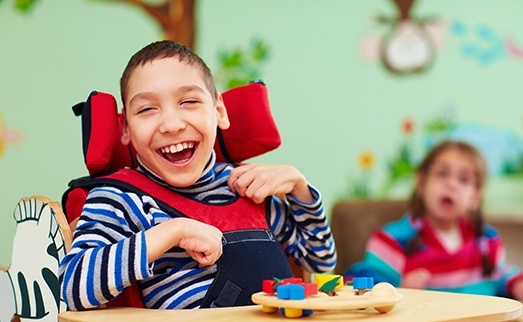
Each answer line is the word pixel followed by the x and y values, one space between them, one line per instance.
pixel 303 231
pixel 506 273
pixel 385 255
pixel 110 239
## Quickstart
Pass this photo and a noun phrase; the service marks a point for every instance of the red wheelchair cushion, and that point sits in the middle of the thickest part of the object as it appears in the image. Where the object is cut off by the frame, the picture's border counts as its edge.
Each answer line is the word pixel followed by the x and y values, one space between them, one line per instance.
pixel 252 131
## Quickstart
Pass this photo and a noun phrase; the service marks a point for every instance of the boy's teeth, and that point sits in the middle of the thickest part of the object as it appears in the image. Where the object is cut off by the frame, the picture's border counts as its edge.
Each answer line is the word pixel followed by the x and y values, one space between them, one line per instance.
pixel 177 147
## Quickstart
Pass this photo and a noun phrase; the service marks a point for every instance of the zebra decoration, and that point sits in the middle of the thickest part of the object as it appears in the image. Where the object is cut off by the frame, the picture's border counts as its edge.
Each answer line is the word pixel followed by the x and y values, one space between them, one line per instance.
pixel 29 287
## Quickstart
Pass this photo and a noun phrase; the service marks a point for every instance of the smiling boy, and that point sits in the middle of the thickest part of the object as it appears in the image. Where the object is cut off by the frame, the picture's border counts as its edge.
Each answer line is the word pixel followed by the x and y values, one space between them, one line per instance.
pixel 226 226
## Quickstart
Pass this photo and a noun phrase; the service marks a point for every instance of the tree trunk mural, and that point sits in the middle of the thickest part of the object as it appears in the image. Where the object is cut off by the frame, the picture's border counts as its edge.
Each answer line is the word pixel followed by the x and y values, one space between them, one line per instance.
pixel 175 17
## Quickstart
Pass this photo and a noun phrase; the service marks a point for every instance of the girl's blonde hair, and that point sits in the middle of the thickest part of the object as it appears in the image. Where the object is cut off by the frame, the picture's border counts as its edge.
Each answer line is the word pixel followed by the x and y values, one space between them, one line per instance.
pixel 417 207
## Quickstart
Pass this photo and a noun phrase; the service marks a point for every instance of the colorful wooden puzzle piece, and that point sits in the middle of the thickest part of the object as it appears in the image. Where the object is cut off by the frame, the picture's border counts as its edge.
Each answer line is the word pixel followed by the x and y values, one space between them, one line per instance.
pixel 295 298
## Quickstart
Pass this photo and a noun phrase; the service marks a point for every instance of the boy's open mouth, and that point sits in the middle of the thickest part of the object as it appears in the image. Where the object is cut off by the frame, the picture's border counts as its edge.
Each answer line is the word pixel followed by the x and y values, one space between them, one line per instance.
pixel 178 153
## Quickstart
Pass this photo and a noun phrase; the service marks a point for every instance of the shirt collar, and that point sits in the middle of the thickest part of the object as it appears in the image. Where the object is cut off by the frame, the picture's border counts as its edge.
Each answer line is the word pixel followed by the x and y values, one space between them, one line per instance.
pixel 207 176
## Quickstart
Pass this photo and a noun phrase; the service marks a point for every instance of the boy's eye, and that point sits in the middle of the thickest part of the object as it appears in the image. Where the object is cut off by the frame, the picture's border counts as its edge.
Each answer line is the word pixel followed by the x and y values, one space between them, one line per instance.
pixel 190 102
pixel 144 109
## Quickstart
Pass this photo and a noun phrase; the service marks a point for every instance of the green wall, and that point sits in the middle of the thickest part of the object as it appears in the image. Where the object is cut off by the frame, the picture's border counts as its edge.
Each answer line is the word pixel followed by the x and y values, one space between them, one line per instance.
pixel 329 104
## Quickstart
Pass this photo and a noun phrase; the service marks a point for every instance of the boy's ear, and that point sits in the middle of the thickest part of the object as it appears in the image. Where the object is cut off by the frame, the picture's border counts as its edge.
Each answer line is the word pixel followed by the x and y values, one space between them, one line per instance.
pixel 221 113
pixel 125 139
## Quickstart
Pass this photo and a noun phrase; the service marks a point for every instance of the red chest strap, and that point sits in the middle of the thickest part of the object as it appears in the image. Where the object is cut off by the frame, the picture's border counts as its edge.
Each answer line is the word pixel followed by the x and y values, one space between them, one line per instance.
pixel 239 214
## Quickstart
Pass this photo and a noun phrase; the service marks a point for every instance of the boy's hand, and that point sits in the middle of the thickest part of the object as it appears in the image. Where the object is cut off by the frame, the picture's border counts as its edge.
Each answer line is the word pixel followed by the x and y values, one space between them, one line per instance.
pixel 202 242
pixel 417 278
pixel 258 181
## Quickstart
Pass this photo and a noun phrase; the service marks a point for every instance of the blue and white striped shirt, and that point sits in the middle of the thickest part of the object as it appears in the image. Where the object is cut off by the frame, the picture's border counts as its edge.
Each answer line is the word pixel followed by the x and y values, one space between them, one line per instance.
pixel 109 249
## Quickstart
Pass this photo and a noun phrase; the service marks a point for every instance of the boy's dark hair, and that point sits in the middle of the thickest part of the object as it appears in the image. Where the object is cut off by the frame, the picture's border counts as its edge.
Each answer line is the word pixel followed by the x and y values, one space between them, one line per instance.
pixel 417 207
pixel 165 49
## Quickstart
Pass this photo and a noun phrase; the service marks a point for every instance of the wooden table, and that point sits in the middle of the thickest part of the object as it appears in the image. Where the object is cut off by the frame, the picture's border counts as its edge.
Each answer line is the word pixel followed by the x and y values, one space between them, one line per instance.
pixel 416 305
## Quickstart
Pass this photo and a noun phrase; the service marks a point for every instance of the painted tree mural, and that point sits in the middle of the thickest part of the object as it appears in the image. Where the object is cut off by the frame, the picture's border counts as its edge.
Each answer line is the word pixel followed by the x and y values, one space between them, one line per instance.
pixel 175 17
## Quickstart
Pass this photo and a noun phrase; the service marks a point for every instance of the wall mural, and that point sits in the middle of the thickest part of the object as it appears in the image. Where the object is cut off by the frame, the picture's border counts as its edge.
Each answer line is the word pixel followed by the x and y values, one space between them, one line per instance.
pixel 409 46
pixel 175 17
pixel 7 136
pixel 483 44
pixel 410 43
pixel 239 66
pixel 502 149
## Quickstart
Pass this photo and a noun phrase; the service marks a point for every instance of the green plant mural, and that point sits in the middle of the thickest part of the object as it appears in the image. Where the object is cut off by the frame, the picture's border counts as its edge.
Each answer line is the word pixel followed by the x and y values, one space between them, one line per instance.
pixel 240 66
pixel 502 149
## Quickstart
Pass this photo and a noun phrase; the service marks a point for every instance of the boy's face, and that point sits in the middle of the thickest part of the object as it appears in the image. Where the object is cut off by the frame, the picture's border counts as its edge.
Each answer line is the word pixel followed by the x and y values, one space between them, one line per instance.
pixel 171 119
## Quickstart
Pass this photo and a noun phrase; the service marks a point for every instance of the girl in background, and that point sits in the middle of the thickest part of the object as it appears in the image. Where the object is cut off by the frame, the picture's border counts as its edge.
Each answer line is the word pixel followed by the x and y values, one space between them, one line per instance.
pixel 442 243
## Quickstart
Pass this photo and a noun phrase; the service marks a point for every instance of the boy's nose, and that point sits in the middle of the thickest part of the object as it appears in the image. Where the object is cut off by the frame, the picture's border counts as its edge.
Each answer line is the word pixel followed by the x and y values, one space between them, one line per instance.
pixel 171 122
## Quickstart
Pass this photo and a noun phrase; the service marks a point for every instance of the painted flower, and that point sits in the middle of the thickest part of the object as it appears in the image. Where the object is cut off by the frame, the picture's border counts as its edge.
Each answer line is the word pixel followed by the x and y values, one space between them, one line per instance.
pixel 3 134
pixel 7 136
pixel 366 160
pixel 407 126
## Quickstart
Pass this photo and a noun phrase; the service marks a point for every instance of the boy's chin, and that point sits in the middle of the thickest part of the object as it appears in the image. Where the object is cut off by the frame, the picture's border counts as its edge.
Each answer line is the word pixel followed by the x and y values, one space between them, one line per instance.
pixel 181 180
pixel 180 183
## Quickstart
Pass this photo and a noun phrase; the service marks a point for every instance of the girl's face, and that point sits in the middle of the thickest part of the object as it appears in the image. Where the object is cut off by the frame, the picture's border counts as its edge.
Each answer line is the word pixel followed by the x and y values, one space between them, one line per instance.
pixel 449 188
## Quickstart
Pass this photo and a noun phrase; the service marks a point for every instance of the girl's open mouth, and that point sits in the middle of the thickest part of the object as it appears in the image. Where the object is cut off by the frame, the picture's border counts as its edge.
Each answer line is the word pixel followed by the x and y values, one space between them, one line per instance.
pixel 447 202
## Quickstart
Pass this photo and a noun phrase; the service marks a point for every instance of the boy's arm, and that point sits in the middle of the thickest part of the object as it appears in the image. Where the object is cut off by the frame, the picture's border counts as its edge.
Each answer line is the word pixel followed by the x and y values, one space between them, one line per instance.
pixel 297 217
pixel 112 248
pixel 108 251
pixel 202 242
pixel 303 231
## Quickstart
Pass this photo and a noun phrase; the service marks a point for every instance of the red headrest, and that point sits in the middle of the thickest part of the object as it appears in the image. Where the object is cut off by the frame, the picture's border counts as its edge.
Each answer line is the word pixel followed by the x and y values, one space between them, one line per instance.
pixel 252 131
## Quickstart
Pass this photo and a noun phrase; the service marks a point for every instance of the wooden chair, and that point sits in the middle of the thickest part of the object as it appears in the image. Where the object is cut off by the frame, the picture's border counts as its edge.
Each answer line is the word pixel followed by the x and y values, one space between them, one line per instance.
pixel 29 286
pixel 353 222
